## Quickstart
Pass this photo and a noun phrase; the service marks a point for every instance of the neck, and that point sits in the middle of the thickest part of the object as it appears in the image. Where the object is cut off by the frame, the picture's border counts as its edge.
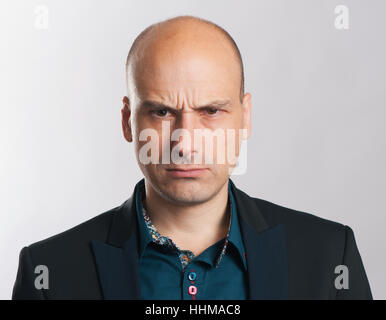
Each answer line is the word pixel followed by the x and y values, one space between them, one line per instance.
pixel 206 222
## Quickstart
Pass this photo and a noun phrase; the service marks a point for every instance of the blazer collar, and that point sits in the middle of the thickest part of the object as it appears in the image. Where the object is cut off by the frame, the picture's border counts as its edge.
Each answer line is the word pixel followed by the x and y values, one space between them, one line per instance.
pixel 117 259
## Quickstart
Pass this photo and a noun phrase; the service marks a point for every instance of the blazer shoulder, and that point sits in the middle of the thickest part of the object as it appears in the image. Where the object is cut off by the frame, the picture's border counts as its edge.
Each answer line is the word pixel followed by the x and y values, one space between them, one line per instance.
pixel 322 239
pixel 298 220
pixel 95 228
pixel 64 254
pixel 316 247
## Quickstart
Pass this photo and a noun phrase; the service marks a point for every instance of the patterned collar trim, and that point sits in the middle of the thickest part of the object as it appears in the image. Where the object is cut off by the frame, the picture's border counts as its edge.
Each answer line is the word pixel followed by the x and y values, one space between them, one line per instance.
pixel 185 256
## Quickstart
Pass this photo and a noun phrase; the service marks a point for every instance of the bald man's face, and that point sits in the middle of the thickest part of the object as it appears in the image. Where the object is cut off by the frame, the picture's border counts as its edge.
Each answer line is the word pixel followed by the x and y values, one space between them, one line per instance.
pixel 187 80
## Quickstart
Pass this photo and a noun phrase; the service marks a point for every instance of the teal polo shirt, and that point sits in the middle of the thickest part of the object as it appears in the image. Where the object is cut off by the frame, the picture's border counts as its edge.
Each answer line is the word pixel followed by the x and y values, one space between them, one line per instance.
pixel 166 272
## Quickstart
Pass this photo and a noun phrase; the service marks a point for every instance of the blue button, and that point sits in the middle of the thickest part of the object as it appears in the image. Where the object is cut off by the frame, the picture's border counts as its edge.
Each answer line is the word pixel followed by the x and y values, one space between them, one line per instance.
pixel 192 276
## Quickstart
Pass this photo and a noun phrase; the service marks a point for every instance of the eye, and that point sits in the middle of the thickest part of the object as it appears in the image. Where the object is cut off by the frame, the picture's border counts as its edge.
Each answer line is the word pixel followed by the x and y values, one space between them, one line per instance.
pixel 212 111
pixel 160 113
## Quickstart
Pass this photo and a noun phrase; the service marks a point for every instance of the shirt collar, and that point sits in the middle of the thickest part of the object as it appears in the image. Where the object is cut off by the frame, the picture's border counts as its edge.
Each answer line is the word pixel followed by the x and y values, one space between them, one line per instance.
pixel 144 235
pixel 234 235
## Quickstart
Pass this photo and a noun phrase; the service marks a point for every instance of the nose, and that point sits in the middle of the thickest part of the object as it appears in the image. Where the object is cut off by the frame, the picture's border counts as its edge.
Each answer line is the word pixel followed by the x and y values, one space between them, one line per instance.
pixel 182 141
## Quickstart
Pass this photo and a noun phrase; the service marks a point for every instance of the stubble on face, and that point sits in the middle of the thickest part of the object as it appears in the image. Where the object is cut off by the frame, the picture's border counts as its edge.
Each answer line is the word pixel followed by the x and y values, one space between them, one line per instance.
pixel 186 66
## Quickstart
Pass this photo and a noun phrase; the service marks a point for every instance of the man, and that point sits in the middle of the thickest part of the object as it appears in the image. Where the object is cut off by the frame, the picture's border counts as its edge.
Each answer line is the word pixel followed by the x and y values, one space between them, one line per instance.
pixel 187 232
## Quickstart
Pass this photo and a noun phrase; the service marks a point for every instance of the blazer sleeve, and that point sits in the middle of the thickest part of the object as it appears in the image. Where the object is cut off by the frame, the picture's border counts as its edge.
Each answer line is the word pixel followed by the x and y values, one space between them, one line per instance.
pixel 24 287
pixel 359 287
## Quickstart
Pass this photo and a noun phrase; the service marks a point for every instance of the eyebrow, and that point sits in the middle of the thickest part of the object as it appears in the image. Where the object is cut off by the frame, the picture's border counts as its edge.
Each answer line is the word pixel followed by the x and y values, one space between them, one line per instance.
pixel 213 104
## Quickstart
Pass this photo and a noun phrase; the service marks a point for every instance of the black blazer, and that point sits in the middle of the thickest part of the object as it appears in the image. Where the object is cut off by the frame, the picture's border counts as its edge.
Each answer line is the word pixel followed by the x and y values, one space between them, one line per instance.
pixel 290 255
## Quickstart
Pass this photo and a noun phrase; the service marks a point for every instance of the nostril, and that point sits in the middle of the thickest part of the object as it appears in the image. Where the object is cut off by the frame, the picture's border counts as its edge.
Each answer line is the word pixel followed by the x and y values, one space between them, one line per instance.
pixel 180 153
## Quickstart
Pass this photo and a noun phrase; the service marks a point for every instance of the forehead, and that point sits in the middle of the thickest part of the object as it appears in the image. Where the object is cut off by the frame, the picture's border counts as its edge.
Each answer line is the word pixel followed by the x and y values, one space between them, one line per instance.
pixel 187 66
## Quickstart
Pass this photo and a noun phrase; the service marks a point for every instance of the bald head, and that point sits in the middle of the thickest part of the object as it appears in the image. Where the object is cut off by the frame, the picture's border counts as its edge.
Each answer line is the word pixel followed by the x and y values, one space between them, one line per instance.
pixel 179 37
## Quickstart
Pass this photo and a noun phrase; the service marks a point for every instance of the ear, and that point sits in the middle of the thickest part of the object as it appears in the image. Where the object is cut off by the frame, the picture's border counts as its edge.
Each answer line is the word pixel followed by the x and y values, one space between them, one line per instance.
pixel 126 121
pixel 247 107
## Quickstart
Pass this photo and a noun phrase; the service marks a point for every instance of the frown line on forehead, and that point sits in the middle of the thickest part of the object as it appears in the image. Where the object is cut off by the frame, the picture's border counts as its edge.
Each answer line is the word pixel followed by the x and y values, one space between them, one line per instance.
pixel 213 104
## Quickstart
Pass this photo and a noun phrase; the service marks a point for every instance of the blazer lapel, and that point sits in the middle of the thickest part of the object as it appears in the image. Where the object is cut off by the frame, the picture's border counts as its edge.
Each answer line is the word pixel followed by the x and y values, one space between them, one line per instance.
pixel 265 250
pixel 117 259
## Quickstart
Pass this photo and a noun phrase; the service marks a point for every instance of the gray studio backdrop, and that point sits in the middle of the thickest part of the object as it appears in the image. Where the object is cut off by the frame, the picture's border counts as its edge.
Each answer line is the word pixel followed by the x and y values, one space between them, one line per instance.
pixel 318 93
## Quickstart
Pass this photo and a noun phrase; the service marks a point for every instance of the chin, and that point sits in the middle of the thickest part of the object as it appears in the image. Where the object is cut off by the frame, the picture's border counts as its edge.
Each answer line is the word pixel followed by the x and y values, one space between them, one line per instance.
pixel 186 198
pixel 187 191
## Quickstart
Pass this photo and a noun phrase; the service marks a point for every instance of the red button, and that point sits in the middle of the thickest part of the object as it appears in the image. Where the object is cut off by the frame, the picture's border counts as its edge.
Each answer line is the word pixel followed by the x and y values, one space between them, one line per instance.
pixel 192 290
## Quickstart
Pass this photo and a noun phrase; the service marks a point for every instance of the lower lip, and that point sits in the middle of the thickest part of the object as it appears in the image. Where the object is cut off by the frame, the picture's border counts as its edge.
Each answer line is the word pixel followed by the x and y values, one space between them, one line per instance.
pixel 187 173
